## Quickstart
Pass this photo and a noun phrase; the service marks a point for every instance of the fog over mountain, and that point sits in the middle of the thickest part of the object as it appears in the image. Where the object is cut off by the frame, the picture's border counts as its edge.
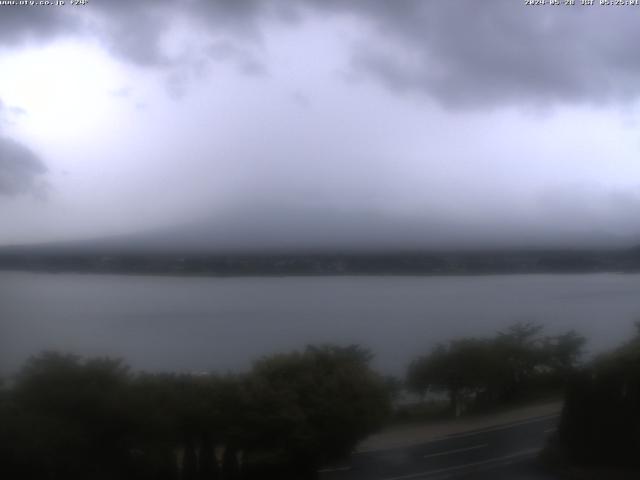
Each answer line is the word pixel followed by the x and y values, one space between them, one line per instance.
pixel 319 124
pixel 299 231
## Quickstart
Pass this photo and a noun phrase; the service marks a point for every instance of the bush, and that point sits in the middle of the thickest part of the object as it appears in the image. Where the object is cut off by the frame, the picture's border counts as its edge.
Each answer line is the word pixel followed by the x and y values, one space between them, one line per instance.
pixel 71 418
pixel 314 407
pixel 481 373
pixel 600 423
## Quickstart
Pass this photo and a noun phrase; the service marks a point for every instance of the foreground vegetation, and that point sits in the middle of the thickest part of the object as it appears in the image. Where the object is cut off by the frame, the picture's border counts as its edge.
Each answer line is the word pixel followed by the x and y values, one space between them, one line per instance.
pixel 599 430
pixel 68 418
pixel 600 425
pixel 482 373
pixel 65 417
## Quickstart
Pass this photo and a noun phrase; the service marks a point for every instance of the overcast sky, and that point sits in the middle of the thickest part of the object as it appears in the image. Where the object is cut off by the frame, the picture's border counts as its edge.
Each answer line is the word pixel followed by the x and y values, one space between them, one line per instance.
pixel 425 122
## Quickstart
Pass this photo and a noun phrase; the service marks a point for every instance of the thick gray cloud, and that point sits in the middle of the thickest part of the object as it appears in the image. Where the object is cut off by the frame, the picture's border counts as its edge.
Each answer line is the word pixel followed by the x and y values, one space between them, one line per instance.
pixel 470 53
pixel 463 54
pixel 20 169
pixel 243 139
pixel 133 30
pixel 27 24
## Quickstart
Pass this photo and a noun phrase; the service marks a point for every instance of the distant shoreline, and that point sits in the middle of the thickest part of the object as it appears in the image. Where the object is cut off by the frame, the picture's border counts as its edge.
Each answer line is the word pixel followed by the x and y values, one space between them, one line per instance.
pixel 308 275
pixel 323 264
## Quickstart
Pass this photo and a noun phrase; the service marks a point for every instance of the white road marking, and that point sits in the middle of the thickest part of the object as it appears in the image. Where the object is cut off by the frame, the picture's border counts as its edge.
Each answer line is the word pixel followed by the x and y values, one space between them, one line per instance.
pixel 458 450
pixel 497 460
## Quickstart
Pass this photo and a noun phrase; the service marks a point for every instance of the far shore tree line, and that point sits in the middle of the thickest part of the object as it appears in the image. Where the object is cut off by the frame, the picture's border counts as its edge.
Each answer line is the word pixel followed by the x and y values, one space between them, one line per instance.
pixel 67 417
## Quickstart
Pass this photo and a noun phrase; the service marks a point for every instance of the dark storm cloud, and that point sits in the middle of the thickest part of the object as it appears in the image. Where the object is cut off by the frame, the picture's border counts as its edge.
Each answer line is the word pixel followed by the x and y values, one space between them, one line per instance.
pixel 464 53
pixel 470 53
pixel 135 30
pixel 132 30
pixel 23 24
pixel 20 170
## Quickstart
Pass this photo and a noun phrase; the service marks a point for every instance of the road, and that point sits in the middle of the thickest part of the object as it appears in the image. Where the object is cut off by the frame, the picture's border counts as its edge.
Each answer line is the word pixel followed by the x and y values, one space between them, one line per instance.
pixel 496 453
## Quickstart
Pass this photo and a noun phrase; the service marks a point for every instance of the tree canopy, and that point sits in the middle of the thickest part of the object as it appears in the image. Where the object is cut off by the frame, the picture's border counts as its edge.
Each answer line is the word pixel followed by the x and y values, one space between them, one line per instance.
pixel 69 418
pixel 486 371
pixel 600 423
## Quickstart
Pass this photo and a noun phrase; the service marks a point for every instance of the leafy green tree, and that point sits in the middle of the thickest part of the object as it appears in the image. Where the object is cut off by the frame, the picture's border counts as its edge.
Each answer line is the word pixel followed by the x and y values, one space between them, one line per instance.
pixel 562 353
pixel 71 418
pixel 190 414
pixel 519 349
pixel 600 422
pixel 314 406
pixel 483 372
pixel 463 368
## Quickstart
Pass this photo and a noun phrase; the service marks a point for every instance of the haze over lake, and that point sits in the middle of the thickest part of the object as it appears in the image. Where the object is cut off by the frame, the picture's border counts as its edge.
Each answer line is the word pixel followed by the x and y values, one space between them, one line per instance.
pixel 198 324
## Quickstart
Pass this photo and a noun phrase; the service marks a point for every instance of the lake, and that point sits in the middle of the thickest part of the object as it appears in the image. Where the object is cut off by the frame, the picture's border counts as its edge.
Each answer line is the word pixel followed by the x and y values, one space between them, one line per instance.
pixel 198 324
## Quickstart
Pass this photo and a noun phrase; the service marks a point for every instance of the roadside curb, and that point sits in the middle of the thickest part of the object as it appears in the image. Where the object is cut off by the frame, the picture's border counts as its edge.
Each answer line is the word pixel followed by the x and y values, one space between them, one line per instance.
pixel 429 432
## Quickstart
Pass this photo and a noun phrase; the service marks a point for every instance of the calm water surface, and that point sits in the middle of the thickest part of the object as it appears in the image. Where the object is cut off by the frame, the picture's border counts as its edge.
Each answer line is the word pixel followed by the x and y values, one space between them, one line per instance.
pixel 197 324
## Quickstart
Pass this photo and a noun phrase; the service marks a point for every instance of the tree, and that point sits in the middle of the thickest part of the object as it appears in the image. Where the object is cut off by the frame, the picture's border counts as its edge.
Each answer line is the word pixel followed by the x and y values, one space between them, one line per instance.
pixel 519 349
pixel 463 368
pixel 600 422
pixel 188 414
pixel 314 406
pixel 483 372
pixel 70 418
pixel 562 353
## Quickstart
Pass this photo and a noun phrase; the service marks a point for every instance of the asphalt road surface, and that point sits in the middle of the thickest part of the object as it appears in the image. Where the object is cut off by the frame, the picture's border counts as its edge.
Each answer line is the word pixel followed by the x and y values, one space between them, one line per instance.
pixel 506 452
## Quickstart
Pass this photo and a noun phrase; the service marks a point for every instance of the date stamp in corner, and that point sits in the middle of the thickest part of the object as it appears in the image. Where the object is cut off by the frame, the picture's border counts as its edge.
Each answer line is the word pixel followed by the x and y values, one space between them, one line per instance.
pixel 43 3
pixel 583 3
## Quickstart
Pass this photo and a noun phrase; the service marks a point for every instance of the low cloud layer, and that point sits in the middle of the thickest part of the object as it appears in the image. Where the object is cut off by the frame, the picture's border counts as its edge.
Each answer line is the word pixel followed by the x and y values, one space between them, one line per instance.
pixel 406 121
